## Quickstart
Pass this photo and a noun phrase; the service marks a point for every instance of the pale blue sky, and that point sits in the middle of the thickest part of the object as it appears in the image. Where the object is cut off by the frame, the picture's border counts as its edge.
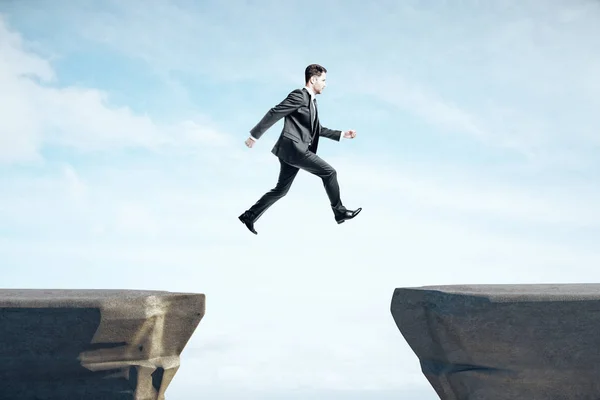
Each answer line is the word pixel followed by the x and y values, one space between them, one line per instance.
pixel 123 165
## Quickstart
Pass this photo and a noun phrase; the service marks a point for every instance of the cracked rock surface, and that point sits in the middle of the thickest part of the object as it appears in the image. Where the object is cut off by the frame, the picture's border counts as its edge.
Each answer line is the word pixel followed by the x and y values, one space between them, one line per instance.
pixel 504 342
pixel 93 344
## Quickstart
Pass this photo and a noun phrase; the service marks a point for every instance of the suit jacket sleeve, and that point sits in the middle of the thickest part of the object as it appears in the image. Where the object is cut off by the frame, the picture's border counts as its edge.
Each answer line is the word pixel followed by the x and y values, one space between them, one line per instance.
pixel 333 134
pixel 290 104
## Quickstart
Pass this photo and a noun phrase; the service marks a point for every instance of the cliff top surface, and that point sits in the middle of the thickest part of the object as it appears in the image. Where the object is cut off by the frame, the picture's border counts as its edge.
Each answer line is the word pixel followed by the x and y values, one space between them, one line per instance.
pixel 81 297
pixel 553 292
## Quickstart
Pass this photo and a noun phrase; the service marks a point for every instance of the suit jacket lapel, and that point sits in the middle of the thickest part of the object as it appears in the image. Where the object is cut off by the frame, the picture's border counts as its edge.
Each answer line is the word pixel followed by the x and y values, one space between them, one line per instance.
pixel 310 109
pixel 313 113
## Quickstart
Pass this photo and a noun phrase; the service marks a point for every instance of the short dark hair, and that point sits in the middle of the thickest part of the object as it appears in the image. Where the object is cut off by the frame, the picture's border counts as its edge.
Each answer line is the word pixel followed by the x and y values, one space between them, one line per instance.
pixel 313 70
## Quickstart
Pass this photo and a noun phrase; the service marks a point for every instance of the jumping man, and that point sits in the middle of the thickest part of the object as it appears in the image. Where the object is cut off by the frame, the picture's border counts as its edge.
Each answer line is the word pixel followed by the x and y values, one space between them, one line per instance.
pixel 296 147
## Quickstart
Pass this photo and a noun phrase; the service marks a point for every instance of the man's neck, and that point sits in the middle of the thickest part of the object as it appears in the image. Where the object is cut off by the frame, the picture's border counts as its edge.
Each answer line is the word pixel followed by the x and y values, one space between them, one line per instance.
pixel 310 90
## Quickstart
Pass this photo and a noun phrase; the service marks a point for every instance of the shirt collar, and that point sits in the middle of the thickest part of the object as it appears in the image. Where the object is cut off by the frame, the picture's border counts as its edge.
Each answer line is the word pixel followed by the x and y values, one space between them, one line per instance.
pixel 309 90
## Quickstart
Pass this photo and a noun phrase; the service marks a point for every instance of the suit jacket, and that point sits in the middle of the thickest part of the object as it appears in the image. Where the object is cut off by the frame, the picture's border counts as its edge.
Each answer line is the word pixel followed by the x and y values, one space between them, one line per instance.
pixel 299 133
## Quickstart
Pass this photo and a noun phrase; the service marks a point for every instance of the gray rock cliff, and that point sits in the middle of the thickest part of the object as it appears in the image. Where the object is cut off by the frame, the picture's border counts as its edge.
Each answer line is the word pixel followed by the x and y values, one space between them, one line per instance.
pixel 93 344
pixel 504 342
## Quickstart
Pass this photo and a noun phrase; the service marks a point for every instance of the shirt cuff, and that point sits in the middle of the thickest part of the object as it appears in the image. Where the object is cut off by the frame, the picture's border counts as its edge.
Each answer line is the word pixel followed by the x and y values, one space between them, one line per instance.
pixel 253 138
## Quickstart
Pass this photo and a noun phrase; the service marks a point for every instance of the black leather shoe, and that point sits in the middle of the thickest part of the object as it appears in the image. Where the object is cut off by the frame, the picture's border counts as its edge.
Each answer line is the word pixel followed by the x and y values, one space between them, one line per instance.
pixel 246 220
pixel 348 214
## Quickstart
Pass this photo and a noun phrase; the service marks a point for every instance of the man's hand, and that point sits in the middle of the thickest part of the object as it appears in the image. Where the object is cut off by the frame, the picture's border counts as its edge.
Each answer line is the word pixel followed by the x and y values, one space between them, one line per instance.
pixel 249 142
pixel 351 134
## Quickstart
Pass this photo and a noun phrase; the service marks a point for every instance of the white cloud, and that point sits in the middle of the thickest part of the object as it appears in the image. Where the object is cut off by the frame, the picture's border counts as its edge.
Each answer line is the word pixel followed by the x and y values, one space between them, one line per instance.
pixel 197 39
pixel 19 136
pixel 37 112
pixel 507 75
pixel 456 78
pixel 203 133
pixel 414 97
pixel 75 187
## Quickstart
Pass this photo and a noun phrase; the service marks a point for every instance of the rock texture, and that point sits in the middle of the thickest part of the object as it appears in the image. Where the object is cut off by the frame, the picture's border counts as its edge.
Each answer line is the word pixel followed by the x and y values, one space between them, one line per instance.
pixel 504 342
pixel 93 344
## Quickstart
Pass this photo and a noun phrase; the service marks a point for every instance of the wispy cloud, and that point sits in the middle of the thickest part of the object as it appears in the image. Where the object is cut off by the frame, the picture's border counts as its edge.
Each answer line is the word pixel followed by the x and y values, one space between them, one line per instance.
pixel 470 193
pixel 456 78
pixel 39 112
pixel 506 75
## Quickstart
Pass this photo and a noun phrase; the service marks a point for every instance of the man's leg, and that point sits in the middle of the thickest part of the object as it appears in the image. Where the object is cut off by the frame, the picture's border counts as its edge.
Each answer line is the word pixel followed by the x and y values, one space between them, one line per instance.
pixel 317 166
pixel 287 173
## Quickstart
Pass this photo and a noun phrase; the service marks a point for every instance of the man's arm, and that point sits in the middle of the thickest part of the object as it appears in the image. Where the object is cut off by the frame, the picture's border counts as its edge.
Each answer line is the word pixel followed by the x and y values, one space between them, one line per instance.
pixel 290 104
pixel 336 134
pixel 333 134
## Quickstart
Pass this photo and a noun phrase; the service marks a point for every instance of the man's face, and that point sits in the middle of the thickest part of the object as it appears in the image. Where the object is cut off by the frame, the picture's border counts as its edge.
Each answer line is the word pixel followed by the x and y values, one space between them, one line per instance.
pixel 319 82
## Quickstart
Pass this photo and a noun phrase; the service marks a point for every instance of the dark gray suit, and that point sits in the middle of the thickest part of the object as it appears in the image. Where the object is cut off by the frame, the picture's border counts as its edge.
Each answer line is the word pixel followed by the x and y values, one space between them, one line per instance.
pixel 296 149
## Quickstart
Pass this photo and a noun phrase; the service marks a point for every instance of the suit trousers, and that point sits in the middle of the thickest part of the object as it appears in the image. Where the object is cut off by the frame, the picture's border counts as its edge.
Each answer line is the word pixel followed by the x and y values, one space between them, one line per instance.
pixel 311 163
